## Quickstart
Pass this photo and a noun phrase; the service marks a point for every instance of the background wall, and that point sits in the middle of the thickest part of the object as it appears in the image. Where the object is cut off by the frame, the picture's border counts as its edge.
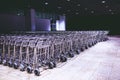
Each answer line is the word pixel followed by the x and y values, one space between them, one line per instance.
pixel 43 24
pixel 106 22
pixel 10 23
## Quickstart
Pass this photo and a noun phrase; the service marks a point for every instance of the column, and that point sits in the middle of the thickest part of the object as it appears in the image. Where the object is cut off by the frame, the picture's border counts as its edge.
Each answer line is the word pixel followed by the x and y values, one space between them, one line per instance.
pixel 61 23
pixel 33 26
pixel 53 25
pixel 30 23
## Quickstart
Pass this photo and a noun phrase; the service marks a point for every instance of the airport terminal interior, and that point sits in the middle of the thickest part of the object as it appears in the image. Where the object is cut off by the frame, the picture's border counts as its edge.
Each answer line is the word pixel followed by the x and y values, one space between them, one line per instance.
pixel 59 40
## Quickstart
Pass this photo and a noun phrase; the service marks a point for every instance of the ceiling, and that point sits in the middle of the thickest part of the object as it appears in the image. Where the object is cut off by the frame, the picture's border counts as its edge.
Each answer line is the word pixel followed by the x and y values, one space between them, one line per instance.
pixel 66 7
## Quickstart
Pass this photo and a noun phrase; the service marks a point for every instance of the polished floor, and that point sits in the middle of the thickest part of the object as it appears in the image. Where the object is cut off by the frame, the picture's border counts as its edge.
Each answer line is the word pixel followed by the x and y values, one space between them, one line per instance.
pixel 100 62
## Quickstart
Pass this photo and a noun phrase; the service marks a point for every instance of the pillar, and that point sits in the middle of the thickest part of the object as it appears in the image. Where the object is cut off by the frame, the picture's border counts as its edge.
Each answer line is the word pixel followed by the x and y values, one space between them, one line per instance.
pixel 30 20
pixel 61 23
pixel 53 25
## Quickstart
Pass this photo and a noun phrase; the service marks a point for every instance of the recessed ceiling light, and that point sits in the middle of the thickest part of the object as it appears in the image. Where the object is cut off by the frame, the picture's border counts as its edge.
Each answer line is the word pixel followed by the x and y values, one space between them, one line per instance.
pixel 59 7
pixel 68 10
pixel 78 4
pixel 68 0
pixel 112 13
pixel 76 13
pixel 64 14
pixel 18 14
pixel 110 10
pixel 46 3
pixel 103 2
pixel 86 9
pixel 106 6
pixel 92 12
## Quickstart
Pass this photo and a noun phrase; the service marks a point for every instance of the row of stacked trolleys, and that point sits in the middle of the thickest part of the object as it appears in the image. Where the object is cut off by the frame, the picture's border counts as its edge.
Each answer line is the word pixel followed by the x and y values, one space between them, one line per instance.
pixel 32 51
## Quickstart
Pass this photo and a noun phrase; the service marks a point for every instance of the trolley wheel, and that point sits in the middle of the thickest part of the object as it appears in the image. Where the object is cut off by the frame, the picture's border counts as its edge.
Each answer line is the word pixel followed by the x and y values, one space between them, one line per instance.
pixel 4 62
pixel 86 47
pixel 15 66
pixel 54 64
pixel 77 51
pixel 71 54
pixel 37 72
pixel 51 65
pixel 29 69
pixel 92 43
pixel 63 59
pixel 82 49
pixel 89 45
pixel 10 64
pixel 22 67
pixel 0 60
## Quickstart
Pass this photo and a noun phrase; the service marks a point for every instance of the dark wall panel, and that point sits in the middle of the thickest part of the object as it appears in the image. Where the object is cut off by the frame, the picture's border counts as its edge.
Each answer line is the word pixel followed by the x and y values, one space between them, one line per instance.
pixel 11 23
pixel 102 22
pixel 42 24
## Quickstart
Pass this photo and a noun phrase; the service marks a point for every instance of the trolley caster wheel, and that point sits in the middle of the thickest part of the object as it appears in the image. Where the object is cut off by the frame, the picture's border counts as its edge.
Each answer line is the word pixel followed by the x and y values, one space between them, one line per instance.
pixel 10 64
pixel 15 66
pixel 44 63
pixel 57 58
pixel 77 51
pixel 29 69
pixel 106 39
pixel 71 54
pixel 54 64
pixel 4 62
pixel 37 72
pixel 51 65
pixel 63 59
pixel 0 61
pixel 22 67
pixel 86 47
pixel 95 42
pixel 89 45
pixel 82 49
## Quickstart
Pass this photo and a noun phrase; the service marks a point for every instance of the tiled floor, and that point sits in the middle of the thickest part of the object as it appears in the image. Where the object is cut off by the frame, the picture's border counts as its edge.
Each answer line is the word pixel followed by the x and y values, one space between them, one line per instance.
pixel 101 62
